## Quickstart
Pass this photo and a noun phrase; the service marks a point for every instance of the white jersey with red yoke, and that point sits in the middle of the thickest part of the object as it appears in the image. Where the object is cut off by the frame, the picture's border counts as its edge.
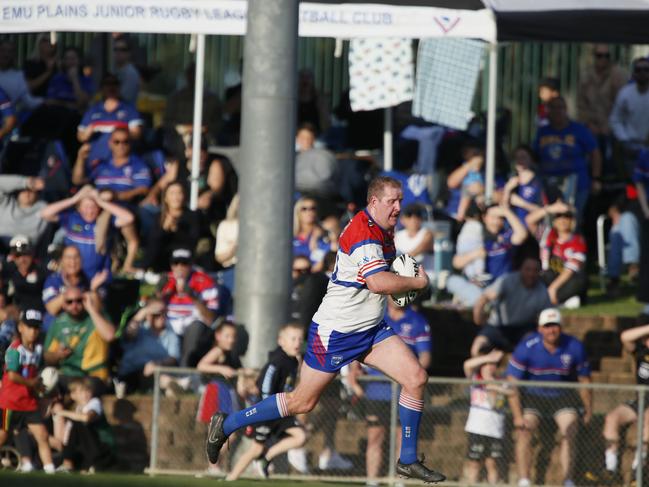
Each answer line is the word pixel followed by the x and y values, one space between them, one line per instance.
pixel 349 306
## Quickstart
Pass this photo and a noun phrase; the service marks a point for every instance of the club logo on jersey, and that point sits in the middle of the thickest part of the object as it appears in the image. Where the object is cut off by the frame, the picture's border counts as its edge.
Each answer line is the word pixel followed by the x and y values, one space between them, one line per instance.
pixel 566 359
pixel 336 360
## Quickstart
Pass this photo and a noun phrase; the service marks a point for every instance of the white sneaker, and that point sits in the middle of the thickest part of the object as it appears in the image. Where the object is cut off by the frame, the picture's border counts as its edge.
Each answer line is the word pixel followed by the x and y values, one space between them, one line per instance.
pixel 49 468
pixel 335 461
pixel 26 467
pixel 297 459
pixel 524 483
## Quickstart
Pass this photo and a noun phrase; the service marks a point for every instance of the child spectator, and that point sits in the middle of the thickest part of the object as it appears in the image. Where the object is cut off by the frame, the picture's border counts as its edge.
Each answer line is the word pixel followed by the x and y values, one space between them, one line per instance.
pixel 278 375
pixel 20 388
pixel 471 239
pixel 563 258
pixel 486 422
pixel 624 244
pixel 88 442
pixel 223 388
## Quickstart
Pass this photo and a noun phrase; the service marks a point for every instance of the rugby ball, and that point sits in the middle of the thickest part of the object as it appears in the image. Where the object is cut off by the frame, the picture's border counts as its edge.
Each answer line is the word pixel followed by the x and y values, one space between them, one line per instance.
pixel 49 379
pixel 405 265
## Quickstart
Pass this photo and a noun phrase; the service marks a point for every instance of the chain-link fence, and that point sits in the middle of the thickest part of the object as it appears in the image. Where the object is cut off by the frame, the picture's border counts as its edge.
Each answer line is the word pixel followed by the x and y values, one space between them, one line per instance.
pixel 353 439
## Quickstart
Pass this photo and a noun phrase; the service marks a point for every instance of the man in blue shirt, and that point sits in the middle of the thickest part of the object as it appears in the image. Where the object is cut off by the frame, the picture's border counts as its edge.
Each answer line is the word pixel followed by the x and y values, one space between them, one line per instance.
pixel 566 148
pixel 7 116
pixel 549 356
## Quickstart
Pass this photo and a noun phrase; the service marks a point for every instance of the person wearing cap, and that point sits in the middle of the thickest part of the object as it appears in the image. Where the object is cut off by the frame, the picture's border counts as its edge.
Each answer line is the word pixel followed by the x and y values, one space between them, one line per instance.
pixel 23 274
pixel 563 259
pixel 20 389
pixel 192 300
pixel 549 355
pixel 20 208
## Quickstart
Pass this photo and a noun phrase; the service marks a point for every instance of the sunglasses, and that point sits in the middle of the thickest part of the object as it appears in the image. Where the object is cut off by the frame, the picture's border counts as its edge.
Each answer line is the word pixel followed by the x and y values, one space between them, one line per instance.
pixel 308 208
pixel 121 142
pixel 179 262
pixel 602 55
pixel 74 301
pixel 301 270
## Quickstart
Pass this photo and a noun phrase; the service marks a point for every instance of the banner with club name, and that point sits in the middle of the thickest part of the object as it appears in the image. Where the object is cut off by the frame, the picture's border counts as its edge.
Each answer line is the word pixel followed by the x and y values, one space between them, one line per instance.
pixel 228 17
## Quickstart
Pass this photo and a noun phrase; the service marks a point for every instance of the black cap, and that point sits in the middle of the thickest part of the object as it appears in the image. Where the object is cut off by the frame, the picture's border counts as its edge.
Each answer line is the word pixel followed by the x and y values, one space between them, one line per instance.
pixel 181 255
pixel 32 317
pixel 20 245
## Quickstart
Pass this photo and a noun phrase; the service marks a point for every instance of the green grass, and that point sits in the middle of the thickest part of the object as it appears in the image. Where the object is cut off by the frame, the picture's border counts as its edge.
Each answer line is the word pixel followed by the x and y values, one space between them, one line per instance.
pixel 123 480
pixel 600 303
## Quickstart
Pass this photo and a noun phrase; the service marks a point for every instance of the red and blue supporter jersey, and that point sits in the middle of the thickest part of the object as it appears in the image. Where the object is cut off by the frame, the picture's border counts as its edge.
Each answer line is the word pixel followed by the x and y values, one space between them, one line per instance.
pixel 533 362
pixel 413 330
pixel 531 192
pixel 81 234
pixel 134 174
pixel 104 122
pixel 641 171
pixel 500 250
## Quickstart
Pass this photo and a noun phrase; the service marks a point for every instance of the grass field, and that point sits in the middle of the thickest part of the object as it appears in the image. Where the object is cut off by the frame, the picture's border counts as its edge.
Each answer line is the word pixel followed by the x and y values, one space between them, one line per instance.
pixel 117 480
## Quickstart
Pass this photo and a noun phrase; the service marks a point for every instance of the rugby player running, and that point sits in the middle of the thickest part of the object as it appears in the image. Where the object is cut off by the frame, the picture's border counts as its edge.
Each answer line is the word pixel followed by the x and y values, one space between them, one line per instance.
pixel 349 326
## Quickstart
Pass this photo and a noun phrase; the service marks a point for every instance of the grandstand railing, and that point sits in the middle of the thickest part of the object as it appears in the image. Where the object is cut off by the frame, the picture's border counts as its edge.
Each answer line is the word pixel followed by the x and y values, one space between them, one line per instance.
pixel 177 437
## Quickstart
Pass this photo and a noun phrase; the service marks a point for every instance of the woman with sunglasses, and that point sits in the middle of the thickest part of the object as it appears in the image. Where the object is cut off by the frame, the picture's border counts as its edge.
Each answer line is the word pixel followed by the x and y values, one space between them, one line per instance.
pixel 308 235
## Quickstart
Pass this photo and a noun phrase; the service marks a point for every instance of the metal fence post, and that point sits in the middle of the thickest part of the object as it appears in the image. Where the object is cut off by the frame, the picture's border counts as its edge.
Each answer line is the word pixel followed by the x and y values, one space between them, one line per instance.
pixel 394 401
pixel 153 459
pixel 640 445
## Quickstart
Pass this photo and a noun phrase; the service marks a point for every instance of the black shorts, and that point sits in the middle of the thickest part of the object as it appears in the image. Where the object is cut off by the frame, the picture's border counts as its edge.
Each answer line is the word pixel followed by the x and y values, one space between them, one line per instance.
pixel 481 447
pixel 376 413
pixel 274 430
pixel 551 406
pixel 505 337
pixel 633 404
pixel 11 420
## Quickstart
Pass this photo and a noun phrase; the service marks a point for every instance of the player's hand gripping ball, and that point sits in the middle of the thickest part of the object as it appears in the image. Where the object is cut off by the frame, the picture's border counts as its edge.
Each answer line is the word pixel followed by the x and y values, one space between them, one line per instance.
pixel 407 266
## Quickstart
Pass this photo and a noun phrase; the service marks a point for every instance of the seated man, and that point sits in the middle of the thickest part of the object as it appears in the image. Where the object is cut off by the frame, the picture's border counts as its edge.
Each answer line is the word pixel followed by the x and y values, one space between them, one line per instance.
pixel 147 342
pixel 517 299
pixel 549 355
pixel 77 342
pixel 192 301
pixel 124 176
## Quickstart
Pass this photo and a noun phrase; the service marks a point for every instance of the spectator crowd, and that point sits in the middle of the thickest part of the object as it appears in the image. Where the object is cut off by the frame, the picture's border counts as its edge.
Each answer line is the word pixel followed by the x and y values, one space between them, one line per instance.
pixel 93 197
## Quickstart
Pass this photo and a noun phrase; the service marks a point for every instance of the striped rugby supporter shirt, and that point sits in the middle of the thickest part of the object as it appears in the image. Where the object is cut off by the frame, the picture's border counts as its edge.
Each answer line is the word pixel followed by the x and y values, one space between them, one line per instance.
pixel 349 306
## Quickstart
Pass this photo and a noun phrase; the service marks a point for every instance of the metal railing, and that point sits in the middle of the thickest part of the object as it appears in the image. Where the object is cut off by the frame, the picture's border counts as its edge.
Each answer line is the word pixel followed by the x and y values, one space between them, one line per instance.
pixel 341 428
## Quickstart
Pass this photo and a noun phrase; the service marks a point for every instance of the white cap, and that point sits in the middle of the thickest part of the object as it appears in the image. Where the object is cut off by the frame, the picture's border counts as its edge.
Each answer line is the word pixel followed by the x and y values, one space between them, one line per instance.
pixel 550 316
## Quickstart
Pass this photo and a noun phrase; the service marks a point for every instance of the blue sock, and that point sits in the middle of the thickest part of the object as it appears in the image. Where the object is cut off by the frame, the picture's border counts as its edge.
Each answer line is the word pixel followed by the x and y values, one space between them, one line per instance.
pixel 273 407
pixel 410 415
